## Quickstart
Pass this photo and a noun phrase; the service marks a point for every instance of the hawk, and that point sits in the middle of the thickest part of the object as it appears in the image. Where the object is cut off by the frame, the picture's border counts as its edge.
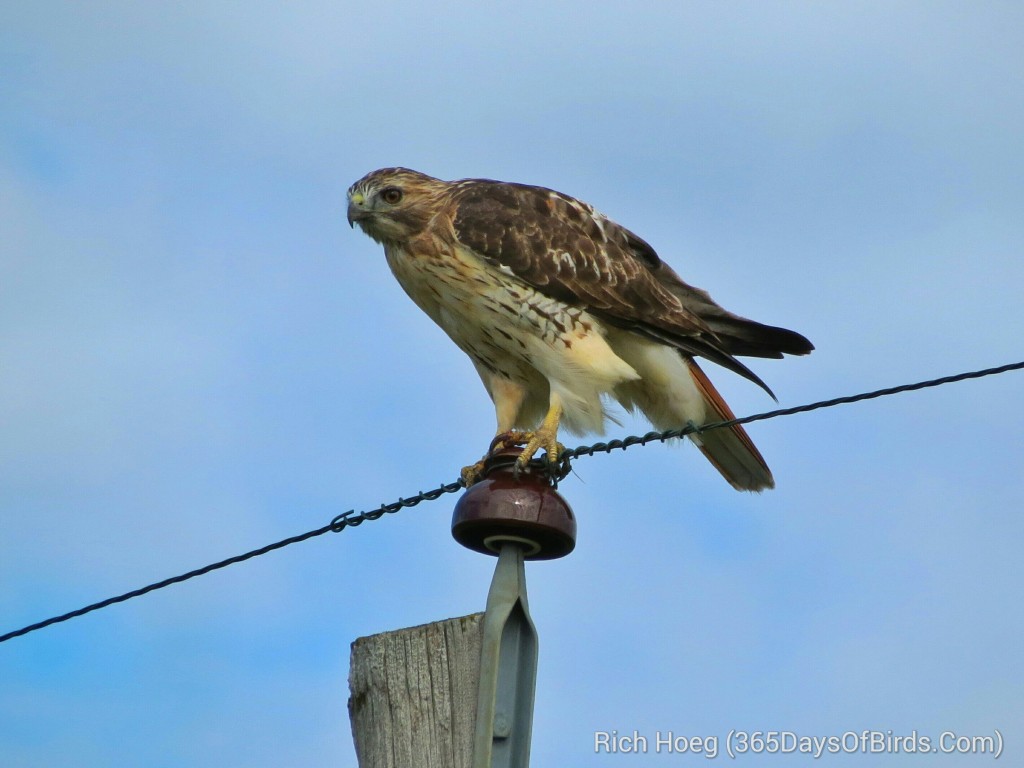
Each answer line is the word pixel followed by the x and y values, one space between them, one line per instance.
pixel 558 306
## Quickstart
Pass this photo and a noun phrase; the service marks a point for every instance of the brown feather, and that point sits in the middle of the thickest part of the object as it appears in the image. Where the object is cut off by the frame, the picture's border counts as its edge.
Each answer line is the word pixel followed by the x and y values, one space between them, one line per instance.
pixel 568 250
pixel 730 449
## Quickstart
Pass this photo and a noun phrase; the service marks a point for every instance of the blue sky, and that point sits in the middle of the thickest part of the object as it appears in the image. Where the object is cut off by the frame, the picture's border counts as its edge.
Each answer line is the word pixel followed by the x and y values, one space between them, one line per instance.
pixel 198 357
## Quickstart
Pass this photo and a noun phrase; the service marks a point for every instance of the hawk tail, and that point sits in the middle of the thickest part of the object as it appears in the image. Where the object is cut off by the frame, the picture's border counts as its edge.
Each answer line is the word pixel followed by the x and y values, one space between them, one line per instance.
pixel 729 449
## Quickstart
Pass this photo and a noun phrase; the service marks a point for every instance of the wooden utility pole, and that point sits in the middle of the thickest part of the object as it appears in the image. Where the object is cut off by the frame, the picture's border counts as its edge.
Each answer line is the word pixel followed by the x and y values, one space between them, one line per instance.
pixel 459 693
pixel 413 695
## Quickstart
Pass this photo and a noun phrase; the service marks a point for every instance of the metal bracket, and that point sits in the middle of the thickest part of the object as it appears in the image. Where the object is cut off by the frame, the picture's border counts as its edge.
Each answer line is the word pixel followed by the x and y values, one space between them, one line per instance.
pixel 508 668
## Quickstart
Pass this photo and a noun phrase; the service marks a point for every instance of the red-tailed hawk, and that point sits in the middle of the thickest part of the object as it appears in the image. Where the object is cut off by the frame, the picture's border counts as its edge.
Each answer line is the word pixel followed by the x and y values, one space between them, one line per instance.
pixel 557 306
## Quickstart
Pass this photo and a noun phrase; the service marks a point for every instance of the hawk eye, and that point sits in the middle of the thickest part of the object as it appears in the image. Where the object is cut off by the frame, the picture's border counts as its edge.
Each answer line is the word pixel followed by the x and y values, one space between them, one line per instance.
pixel 391 195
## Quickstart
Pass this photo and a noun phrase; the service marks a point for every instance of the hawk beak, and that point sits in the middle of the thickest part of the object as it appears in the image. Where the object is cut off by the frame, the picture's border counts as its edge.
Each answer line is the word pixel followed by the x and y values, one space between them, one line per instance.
pixel 356 212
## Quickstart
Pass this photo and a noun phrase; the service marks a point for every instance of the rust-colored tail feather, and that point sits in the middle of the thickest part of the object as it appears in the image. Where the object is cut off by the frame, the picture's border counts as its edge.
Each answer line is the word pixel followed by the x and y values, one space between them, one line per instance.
pixel 729 449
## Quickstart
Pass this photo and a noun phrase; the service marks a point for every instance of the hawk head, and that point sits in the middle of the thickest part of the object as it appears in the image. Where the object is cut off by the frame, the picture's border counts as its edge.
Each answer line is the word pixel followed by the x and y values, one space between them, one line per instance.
pixel 393 204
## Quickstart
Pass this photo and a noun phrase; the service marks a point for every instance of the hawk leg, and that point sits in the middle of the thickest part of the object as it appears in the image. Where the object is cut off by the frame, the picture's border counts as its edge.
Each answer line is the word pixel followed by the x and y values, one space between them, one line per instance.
pixel 545 436
pixel 501 441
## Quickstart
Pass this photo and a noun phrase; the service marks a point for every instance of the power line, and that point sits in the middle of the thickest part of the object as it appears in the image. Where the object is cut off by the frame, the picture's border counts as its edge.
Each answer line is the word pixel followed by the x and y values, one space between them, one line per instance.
pixel 165 583
pixel 351 519
pixel 668 434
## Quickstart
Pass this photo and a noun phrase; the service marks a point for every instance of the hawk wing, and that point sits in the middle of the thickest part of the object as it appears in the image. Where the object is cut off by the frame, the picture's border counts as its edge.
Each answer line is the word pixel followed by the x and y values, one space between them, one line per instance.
pixel 567 250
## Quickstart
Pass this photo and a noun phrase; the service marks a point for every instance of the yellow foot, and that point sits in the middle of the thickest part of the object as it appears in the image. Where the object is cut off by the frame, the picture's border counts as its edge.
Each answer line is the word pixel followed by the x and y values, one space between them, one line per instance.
pixel 531 442
pixel 545 436
pixel 508 439
pixel 472 473
pixel 534 441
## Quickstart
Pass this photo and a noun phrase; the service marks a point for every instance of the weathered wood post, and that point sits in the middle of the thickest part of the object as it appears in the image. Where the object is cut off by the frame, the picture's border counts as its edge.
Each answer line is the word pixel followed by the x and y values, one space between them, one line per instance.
pixel 409 693
pixel 460 692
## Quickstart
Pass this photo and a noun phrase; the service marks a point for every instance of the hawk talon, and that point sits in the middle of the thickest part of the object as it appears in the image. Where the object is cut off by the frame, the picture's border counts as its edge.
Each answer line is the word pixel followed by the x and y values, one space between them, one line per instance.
pixel 508 439
pixel 555 463
pixel 501 442
pixel 472 474
pixel 552 451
